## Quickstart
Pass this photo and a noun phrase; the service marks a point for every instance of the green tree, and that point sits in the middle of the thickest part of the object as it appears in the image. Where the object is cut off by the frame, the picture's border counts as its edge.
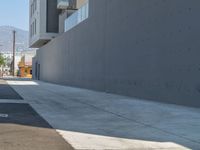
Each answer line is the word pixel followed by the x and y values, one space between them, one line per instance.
pixel 2 63
pixel 2 60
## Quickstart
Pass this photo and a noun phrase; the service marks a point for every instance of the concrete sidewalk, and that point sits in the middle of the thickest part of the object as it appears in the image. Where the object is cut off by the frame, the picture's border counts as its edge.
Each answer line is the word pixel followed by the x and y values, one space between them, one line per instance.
pixel 92 120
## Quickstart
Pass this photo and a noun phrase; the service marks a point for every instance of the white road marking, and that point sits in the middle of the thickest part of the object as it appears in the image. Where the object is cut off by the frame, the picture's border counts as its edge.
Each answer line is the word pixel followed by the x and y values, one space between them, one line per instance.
pixel 3 115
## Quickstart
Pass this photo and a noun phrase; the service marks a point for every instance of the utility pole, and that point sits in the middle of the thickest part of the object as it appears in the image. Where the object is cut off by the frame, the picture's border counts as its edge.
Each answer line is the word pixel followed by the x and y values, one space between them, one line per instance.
pixel 13 66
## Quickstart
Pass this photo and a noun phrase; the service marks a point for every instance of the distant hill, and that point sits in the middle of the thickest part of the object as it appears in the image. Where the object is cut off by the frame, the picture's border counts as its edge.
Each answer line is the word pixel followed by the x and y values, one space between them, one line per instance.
pixel 6 38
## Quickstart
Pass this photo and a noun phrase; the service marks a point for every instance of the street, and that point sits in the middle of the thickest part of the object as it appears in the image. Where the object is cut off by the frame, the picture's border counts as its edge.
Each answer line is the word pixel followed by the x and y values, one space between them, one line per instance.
pixel 92 120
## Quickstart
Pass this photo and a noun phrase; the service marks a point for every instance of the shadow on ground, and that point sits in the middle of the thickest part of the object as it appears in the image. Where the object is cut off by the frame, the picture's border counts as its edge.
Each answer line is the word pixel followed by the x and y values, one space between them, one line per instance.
pixel 22 128
pixel 7 92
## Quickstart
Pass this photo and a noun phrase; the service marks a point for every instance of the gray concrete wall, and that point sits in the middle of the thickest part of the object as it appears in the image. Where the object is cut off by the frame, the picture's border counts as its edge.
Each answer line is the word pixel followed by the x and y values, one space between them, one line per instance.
pixel 141 48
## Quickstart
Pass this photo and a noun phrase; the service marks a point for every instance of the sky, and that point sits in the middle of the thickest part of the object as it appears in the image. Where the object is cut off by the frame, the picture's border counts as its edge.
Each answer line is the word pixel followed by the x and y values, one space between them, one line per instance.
pixel 15 13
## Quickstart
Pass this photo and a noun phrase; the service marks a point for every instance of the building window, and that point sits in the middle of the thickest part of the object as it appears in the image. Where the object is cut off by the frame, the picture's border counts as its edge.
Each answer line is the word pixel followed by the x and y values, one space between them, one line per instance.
pixel 31 10
pixel 33 7
pixel 31 31
pixel 35 27
pixel 77 17
pixel 35 4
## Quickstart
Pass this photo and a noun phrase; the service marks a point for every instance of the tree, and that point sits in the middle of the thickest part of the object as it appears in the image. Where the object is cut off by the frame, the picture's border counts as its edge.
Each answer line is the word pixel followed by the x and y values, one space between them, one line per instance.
pixel 2 63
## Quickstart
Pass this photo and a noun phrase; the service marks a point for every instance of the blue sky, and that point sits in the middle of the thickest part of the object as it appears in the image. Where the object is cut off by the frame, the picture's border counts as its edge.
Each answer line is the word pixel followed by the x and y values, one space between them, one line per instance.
pixel 14 13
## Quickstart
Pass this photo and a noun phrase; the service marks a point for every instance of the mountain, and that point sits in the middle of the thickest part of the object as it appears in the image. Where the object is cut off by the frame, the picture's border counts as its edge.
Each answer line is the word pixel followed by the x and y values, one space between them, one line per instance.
pixel 6 38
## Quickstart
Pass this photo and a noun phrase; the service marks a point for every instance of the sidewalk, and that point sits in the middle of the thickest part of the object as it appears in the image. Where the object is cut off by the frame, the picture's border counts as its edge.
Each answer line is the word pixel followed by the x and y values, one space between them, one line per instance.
pixel 91 120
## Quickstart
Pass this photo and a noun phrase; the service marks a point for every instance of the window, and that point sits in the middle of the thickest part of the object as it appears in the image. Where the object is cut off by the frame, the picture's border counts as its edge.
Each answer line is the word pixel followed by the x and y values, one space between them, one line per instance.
pixel 33 7
pixel 35 4
pixel 31 31
pixel 35 27
pixel 77 17
pixel 31 10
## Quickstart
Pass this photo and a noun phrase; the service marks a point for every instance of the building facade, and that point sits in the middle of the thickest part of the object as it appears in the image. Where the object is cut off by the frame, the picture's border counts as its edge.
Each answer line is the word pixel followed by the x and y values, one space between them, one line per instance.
pixel 43 22
pixel 140 48
pixel 47 19
pixel 25 64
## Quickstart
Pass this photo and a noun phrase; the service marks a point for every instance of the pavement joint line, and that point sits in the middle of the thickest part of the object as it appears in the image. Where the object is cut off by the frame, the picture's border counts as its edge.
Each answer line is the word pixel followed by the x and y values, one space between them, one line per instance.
pixel 12 101
pixel 136 121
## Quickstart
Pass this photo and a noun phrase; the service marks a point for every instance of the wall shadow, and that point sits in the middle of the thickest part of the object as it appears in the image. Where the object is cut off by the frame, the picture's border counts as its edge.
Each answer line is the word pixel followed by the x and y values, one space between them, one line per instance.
pixel 7 92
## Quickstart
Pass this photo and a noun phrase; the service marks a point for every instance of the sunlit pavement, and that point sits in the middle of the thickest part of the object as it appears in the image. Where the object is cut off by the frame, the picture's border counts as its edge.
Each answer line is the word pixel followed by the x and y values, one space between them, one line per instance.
pixel 94 120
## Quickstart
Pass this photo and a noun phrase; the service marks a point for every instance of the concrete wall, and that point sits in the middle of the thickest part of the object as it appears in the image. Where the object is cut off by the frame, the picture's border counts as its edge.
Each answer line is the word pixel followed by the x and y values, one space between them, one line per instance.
pixel 147 49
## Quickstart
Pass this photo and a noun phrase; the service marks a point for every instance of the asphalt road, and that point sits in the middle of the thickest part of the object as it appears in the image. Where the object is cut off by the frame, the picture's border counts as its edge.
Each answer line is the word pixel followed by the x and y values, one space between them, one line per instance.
pixel 22 128
pixel 7 92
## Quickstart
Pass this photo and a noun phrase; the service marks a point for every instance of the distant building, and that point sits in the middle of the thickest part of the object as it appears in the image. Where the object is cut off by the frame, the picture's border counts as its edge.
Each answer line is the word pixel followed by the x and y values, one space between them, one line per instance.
pixel 25 64
pixel 23 57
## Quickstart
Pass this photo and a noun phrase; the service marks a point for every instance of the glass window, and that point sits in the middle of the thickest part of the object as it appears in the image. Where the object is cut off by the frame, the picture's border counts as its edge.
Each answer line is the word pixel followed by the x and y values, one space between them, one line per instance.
pixel 35 27
pixel 35 4
pixel 31 30
pixel 77 17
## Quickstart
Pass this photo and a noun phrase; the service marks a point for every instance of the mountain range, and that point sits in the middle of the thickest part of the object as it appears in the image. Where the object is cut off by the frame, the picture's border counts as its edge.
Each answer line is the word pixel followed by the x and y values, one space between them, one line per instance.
pixel 6 38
